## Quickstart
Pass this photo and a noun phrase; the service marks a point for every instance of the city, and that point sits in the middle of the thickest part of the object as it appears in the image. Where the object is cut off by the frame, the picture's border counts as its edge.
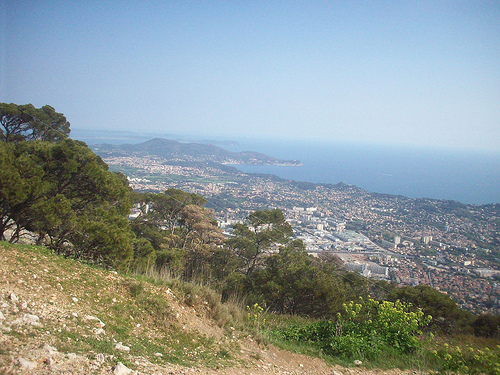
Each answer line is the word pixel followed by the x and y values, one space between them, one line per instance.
pixel 450 246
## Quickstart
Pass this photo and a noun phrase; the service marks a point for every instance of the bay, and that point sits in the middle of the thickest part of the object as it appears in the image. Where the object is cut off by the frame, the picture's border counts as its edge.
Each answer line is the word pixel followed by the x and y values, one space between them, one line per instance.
pixel 465 176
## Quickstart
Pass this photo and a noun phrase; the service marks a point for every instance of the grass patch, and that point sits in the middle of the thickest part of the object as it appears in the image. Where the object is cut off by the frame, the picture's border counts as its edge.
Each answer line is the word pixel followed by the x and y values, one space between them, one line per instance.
pixel 134 310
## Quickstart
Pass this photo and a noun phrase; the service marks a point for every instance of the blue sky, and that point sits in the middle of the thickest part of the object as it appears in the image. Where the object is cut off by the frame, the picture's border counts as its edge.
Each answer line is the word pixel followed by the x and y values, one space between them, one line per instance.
pixel 420 73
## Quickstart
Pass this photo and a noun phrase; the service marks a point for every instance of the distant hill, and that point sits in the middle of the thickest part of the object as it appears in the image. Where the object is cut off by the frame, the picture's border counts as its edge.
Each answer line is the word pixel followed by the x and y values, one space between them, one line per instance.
pixel 196 152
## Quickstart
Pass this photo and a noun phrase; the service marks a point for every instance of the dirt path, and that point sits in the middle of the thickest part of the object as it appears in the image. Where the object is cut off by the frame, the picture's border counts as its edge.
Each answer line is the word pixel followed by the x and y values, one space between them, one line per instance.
pixel 34 306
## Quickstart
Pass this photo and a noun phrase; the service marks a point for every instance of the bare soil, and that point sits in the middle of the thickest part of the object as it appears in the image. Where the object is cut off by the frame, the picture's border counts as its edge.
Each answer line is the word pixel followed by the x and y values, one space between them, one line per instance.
pixel 40 298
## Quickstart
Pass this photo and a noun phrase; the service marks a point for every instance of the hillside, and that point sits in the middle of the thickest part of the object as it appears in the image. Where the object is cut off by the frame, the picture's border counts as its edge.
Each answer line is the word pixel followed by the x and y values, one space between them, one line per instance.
pixel 60 316
pixel 196 152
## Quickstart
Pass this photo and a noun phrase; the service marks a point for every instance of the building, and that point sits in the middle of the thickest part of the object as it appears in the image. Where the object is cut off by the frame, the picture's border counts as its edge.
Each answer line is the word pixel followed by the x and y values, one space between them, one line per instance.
pixel 397 241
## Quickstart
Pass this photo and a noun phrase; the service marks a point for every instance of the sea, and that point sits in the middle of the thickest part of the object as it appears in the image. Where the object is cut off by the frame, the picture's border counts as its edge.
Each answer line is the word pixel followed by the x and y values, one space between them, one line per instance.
pixel 466 176
pixel 471 177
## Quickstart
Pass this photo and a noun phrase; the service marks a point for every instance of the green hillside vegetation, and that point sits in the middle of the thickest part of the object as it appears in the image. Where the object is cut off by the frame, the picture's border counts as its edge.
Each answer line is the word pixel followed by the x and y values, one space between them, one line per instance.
pixel 87 310
pixel 57 192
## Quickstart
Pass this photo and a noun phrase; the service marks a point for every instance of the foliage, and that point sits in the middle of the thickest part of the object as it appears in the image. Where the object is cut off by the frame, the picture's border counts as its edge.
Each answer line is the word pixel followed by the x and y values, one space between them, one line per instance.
pixel 293 282
pixel 271 269
pixel 26 123
pixel 265 230
pixel 255 316
pixel 365 330
pixel 468 361
pixel 487 325
pixel 447 317
pixel 64 194
pixel 183 233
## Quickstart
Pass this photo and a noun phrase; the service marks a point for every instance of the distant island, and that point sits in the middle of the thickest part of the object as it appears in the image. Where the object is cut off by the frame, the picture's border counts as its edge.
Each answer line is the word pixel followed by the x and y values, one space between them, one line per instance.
pixel 190 152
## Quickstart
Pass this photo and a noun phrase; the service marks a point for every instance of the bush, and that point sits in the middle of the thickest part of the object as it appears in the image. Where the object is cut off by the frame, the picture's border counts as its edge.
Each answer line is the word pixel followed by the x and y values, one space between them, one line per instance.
pixel 469 361
pixel 365 330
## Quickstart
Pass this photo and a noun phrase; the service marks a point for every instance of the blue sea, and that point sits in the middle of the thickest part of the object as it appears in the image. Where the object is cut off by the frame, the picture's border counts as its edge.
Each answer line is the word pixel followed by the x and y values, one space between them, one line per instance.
pixel 464 176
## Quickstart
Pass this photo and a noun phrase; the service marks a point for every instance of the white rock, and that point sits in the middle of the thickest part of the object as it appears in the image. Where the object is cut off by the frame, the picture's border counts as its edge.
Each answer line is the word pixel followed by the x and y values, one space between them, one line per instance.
pixel 49 349
pixel 13 297
pixel 357 362
pixel 24 363
pixel 75 299
pixel 29 319
pixel 71 356
pixel 90 317
pixel 5 329
pixel 100 358
pixel 24 305
pixel 122 347
pixel 75 314
pixel 2 317
pixel 121 369
pixel 158 354
pixel 99 331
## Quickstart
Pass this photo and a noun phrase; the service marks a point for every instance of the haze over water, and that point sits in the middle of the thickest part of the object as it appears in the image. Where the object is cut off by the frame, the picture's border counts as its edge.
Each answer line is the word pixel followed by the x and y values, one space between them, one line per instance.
pixel 465 176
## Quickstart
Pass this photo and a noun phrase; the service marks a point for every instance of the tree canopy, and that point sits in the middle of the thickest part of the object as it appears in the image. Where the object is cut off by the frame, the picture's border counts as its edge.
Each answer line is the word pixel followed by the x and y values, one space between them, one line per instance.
pixel 181 230
pixel 27 123
pixel 58 190
pixel 265 230
pixel 64 194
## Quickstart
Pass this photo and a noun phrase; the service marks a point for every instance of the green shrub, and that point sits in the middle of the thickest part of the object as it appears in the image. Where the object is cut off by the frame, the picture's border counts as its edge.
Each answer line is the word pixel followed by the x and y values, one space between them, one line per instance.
pixel 471 361
pixel 365 330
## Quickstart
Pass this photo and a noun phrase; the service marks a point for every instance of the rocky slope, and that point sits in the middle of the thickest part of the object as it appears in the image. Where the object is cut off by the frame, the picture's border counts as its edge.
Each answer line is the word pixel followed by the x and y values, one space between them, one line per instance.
pixel 58 316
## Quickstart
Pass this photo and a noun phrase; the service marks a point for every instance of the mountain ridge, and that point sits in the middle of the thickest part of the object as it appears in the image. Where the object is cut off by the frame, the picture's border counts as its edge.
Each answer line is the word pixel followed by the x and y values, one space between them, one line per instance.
pixel 170 149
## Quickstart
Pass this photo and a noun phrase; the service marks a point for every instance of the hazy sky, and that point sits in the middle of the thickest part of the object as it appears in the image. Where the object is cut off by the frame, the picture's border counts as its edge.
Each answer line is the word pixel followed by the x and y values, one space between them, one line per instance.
pixel 410 72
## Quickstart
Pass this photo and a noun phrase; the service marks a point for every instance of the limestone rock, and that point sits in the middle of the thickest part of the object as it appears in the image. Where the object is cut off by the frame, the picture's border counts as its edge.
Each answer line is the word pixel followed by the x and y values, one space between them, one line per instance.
pixel 4 328
pixel 121 369
pixel 13 297
pixel 29 319
pixel 122 347
pixel 90 317
pixel 100 358
pixel 357 362
pixel 24 363
pixel 71 356
pixel 49 349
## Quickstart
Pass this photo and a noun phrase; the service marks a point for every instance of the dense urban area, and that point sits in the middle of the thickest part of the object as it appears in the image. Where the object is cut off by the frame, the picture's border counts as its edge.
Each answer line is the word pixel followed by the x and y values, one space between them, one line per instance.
pixel 448 245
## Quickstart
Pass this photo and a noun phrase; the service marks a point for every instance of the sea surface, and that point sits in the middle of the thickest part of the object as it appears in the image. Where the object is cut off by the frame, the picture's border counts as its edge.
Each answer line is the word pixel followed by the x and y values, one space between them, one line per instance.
pixel 464 176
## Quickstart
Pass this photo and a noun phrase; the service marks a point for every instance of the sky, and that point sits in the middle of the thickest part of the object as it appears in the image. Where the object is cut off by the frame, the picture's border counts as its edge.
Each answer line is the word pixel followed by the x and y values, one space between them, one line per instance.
pixel 417 73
